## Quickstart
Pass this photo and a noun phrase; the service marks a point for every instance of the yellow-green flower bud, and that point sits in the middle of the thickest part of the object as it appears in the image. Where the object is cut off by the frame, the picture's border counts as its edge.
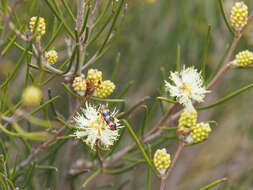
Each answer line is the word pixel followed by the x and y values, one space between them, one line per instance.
pixel 51 56
pixel 199 133
pixel 37 25
pixel 79 85
pixel 187 119
pixel 243 58
pixel 105 89
pixel 239 15
pixel 31 96
pixel 95 76
pixel 162 160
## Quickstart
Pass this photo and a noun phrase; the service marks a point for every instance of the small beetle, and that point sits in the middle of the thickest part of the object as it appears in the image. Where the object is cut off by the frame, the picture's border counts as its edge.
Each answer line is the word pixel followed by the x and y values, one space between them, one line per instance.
pixel 106 114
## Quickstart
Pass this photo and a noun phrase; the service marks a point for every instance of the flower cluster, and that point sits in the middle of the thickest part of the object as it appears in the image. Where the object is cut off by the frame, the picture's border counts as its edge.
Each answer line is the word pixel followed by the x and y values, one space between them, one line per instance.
pixel 92 128
pixel 239 15
pixel 190 131
pixel 51 56
pixel 37 26
pixel 188 86
pixel 162 160
pixel 93 84
pixel 243 58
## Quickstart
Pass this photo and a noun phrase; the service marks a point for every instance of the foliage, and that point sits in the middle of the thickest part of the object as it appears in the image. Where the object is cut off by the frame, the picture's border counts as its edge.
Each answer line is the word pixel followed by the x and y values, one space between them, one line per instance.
pixel 128 41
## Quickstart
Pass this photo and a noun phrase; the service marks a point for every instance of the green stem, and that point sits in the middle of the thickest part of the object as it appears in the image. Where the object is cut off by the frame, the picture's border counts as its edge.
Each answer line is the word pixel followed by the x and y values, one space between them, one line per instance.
pixel 213 184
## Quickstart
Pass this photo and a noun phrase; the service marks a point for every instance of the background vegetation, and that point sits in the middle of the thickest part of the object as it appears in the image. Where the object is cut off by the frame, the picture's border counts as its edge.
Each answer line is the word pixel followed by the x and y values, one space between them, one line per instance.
pixel 149 34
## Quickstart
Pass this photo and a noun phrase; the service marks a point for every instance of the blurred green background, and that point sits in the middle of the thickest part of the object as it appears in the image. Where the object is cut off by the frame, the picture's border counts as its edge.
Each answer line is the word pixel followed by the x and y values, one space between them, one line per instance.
pixel 151 31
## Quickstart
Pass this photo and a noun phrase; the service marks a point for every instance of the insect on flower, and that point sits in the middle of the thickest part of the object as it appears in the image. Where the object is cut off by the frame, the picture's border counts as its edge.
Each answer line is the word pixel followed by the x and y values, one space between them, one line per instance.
pixel 91 126
pixel 107 116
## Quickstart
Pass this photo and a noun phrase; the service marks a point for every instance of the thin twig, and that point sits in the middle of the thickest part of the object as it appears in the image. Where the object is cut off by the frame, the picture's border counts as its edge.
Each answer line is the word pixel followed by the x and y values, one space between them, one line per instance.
pixel 99 157
pixel 168 172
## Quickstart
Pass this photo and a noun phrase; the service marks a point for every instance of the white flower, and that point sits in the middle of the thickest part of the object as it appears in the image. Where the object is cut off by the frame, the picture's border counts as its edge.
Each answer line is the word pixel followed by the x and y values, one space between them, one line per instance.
pixel 188 87
pixel 91 127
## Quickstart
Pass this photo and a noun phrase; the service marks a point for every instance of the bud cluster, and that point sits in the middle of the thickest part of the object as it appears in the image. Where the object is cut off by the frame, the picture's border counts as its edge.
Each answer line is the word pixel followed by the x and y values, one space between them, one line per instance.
pixel 187 119
pixel 199 133
pixel 189 130
pixel 239 15
pixel 93 84
pixel 243 58
pixel 79 85
pixel 37 26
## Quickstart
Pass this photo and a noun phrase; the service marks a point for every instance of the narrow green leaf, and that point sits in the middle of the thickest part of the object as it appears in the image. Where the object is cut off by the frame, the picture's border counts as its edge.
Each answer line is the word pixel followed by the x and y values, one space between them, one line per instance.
pixel 139 145
pixel 36 136
pixel 178 61
pixel 54 36
pixel 28 175
pixel 125 114
pixel 225 17
pixel 167 100
pixel 112 27
pixel 90 178
pixel 65 4
pixel 47 167
pixel 226 98
pixel 65 123
pixel 107 100
pixel 85 21
pixel 205 54
pixel 213 184
pixel 60 18
pixel 145 121
pixel 15 70
pixel 70 91
pixel 126 89
pixel 44 104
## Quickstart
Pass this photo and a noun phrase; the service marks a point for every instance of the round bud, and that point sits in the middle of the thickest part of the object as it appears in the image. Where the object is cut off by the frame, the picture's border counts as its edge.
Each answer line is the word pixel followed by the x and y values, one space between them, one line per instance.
pixel 105 89
pixel 79 85
pixel 243 58
pixel 31 96
pixel 162 160
pixel 51 56
pixel 239 15
pixel 199 133
pixel 95 76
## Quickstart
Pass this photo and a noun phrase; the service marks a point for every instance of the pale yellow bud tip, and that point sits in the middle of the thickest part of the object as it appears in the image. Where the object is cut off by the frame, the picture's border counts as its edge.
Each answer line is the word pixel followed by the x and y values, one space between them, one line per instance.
pixel 31 96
